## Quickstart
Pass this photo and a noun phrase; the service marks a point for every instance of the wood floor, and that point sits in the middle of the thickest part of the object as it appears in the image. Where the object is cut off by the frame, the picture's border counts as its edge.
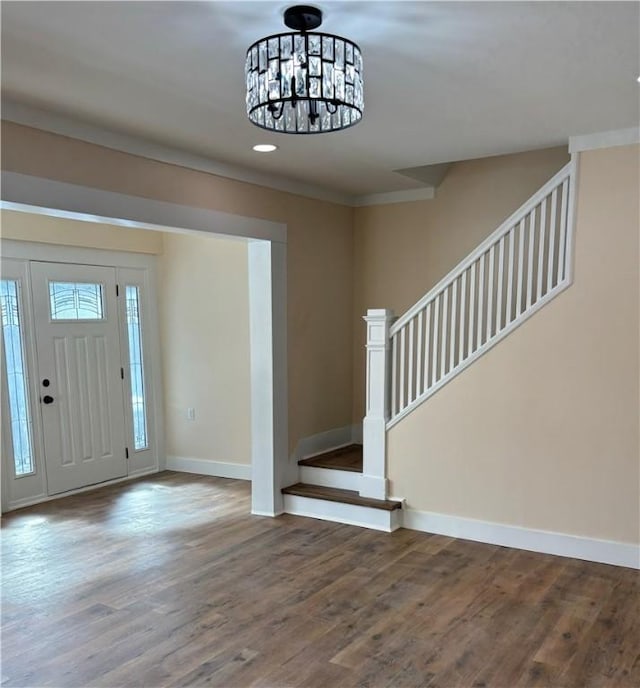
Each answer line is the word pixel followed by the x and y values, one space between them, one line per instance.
pixel 169 582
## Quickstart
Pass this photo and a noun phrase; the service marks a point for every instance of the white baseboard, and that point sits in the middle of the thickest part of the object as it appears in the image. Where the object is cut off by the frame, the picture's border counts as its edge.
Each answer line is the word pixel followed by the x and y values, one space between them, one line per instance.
pixel 561 544
pixel 323 442
pixel 339 512
pixel 218 469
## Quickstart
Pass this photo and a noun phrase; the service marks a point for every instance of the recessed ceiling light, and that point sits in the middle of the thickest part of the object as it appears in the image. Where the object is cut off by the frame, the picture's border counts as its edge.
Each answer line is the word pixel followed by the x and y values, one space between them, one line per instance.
pixel 265 148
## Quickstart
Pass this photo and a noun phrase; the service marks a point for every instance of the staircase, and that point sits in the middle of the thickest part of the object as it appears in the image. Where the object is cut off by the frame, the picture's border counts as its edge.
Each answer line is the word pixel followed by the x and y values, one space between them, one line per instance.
pixel 525 263
pixel 330 490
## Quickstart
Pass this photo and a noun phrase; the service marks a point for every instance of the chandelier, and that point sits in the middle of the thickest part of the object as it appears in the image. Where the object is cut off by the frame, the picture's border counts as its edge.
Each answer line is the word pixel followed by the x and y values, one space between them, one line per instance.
pixel 304 82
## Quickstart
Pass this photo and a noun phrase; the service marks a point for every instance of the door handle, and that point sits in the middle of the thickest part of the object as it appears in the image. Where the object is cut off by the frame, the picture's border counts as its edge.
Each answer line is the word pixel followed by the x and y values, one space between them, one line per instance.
pixel 47 399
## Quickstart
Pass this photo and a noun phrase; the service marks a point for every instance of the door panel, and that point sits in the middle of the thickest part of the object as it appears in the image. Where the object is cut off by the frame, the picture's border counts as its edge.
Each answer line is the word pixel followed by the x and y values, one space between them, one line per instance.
pixel 78 346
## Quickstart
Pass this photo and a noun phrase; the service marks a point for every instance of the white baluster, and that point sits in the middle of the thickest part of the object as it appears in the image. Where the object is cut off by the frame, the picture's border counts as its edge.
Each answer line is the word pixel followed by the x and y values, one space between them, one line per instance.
pixel 443 334
pixel 434 343
pixel 452 333
pixel 500 285
pixel 472 307
pixel 509 304
pixel 402 357
pixel 520 286
pixel 463 295
pixel 480 299
pixel 427 345
pixel 543 230
pixel 492 252
pixel 532 226
pixel 394 375
pixel 552 238
pixel 563 232
pixel 419 367
pixel 410 379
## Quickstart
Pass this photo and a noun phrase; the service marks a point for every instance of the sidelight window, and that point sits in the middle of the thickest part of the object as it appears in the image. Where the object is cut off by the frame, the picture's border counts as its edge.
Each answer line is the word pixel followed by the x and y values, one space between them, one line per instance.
pixel 16 377
pixel 136 369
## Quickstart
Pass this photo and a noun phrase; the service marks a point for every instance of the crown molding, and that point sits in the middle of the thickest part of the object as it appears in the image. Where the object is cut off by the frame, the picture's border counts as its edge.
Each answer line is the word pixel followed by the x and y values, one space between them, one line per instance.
pixel 604 139
pixel 423 194
pixel 64 125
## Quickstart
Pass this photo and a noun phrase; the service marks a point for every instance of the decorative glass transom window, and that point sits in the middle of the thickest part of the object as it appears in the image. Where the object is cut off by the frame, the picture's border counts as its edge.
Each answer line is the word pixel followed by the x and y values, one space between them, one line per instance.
pixel 76 301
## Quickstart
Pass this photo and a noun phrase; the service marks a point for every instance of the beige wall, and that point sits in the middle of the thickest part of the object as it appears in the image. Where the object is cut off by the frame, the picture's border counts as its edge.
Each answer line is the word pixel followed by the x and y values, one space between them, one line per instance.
pixel 55 230
pixel 542 431
pixel 204 330
pixel 401 250
pixel 319 255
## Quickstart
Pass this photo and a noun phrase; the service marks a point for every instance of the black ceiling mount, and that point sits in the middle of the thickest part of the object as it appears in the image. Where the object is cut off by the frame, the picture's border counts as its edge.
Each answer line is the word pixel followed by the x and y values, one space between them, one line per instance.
pixel 303 18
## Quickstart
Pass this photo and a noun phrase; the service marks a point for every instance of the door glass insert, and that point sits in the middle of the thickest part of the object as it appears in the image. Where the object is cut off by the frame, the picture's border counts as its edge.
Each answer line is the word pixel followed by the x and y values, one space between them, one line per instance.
pixel 76 301
pixel 16 377
pixel 136 370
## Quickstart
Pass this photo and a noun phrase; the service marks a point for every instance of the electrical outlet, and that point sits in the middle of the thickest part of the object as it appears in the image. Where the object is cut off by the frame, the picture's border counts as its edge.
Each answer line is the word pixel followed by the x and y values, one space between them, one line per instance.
pixel 191 413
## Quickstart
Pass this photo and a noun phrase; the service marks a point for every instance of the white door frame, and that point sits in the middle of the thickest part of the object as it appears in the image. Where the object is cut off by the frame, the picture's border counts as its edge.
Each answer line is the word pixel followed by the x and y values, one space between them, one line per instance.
pixel 16 256
pixel 267 297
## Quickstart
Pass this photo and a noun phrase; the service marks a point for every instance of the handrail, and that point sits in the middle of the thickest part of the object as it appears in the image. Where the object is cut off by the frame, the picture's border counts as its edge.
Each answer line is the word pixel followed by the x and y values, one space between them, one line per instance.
pixel 493 238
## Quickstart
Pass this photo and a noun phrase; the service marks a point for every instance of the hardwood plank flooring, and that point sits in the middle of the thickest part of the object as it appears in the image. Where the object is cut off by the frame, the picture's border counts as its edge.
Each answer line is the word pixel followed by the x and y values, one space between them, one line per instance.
pixel 168 581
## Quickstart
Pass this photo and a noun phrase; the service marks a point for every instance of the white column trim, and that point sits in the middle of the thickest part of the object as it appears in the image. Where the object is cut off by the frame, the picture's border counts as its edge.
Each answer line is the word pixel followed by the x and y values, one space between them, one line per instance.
pixel 374 472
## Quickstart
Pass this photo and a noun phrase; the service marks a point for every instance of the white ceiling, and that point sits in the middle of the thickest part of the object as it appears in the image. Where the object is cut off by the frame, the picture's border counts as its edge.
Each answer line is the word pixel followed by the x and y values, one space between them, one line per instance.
pixel 444 81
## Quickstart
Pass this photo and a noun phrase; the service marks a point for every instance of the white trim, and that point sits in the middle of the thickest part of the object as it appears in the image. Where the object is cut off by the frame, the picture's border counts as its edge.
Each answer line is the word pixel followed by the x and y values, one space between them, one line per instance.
pixel 323 442
pixel 25 193
pixel 31 501
pixel 269 514
pixel 426 193
pixel 604 139
pixel 57 253
pixel 269 389
pixel 339 512
pixel 547 542
pixel 29 116
pixel 330 477
pixel 218 469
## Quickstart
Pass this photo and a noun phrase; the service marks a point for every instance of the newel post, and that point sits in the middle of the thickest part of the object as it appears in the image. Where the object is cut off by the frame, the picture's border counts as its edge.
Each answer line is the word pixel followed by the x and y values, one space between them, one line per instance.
pixel 374 436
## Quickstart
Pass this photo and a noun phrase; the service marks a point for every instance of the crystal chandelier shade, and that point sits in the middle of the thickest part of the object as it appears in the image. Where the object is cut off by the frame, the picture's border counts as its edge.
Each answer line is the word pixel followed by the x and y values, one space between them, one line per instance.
pixel 304 83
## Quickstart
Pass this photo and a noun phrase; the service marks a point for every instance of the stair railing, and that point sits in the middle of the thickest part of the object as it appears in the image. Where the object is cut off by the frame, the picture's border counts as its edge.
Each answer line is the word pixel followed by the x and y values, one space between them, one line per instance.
pixel 521 266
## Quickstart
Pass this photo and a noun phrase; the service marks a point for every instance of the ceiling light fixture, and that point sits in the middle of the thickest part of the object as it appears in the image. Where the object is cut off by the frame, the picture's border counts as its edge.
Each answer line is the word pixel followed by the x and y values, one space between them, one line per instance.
pixel 264 148
pixel 304 82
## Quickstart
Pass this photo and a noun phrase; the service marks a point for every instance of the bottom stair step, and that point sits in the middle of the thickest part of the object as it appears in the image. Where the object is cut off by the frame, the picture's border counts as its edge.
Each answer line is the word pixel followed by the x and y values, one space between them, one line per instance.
pixel 335 494
pixel 342 506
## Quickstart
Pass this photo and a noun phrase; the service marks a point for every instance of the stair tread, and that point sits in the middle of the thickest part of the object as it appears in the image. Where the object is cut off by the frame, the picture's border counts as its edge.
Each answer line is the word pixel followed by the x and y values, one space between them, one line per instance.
pixel 347 458
pixel 335 494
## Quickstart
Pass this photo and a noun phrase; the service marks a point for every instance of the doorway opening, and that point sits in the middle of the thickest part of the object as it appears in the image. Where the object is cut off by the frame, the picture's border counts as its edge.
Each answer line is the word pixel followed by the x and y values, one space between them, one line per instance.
pixel 267 313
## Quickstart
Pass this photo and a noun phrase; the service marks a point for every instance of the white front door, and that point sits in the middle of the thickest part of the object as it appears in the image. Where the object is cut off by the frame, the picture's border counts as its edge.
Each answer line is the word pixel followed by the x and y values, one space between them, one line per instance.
pixel 79 374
